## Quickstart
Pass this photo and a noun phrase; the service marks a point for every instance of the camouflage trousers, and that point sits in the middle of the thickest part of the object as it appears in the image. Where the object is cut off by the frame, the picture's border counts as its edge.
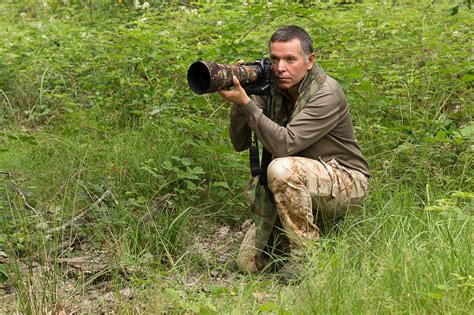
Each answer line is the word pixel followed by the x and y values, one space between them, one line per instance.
pixel 302 196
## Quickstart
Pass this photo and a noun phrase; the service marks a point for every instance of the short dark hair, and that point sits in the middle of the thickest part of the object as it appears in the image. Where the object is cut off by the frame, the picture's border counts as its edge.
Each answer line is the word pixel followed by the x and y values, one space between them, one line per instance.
pixel 290 32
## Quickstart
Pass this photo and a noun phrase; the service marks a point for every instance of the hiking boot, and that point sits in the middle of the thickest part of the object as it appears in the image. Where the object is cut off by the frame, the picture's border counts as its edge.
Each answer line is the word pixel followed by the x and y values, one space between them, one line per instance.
pixel 250 258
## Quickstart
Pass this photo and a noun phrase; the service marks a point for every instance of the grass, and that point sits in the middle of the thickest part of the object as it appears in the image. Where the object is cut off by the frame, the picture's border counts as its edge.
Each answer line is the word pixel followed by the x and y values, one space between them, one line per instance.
pixel 94 105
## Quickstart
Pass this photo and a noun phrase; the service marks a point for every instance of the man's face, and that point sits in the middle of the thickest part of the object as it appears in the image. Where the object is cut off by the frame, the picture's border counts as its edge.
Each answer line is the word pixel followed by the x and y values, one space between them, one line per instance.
pixel 288 62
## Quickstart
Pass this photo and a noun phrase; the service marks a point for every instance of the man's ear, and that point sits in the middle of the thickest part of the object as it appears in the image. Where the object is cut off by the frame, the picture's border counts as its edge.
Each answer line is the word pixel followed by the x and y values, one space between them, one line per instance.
pixel 310 61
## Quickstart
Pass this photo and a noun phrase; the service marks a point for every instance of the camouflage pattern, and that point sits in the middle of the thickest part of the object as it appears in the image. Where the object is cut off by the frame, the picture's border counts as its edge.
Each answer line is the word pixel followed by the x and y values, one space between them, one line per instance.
pixel 278 110
pixel 251 256
pixel 264 238
pixel 301 192
pixel 310 85
pixel 307 191
pixel 209 76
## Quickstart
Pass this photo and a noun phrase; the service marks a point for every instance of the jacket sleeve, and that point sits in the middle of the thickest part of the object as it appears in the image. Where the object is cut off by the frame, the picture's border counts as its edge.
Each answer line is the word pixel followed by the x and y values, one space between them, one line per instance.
pixel 320 115
pixel 239 129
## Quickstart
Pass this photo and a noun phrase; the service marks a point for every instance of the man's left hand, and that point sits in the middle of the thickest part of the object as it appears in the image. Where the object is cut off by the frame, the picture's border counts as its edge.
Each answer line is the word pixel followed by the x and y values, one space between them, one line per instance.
pixel 237 96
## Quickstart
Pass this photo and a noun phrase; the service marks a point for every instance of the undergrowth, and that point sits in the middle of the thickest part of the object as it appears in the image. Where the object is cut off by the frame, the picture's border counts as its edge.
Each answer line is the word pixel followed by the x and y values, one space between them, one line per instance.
pixel 105 153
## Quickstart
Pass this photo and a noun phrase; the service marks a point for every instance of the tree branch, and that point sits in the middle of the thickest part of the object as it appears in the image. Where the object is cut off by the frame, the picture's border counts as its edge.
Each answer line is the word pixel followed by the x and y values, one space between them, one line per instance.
pixel 19 192
pixel 81 214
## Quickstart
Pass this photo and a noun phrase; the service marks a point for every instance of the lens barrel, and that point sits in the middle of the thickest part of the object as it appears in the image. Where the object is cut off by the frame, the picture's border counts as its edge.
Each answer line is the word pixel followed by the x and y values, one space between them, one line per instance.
pixel 207 76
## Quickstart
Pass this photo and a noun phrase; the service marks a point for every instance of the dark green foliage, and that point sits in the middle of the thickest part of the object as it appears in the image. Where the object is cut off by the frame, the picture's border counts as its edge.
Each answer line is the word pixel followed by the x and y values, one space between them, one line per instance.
pixel 93 98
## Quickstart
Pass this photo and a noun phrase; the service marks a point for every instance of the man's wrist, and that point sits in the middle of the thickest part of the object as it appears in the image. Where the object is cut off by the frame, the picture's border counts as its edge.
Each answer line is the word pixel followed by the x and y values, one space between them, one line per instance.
pixel 245 102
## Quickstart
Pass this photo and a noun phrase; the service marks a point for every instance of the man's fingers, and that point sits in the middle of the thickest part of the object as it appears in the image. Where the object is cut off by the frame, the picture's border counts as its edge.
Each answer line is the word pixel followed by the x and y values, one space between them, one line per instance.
pixel 223 93
pixel 237 95
pixel 226 93
pixel 236 82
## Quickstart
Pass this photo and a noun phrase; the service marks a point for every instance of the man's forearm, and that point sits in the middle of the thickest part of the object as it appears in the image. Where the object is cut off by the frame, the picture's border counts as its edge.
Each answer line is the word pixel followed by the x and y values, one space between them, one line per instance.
pixel 239 129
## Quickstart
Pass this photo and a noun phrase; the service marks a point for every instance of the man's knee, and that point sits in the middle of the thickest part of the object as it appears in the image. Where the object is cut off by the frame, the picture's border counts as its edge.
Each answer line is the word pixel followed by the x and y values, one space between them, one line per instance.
pixel 282 172
pixel 279 169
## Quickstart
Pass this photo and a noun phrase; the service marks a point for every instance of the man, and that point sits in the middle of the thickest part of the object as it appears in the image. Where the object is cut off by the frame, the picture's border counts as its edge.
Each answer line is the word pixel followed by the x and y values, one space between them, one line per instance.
pixel 317 172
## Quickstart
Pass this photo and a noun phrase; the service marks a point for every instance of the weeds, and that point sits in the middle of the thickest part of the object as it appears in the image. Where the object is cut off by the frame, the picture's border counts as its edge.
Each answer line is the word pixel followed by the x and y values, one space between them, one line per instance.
pixel 131 176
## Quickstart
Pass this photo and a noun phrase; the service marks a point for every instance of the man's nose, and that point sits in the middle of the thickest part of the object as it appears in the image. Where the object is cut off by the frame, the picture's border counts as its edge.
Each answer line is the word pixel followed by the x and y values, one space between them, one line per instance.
pixel 280 66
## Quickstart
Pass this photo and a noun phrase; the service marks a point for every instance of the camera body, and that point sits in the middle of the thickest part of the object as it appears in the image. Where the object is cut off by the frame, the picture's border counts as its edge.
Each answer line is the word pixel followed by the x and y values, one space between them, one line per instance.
pixel 262 86
pixel 255 77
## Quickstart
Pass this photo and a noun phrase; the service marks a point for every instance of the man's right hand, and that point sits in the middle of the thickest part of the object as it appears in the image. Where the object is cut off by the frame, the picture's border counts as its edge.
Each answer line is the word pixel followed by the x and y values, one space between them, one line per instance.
pixel 237 96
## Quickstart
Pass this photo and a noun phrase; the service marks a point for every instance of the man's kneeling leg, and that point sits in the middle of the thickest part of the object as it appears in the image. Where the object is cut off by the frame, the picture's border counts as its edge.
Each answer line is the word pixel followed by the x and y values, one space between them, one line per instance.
pixel 252 258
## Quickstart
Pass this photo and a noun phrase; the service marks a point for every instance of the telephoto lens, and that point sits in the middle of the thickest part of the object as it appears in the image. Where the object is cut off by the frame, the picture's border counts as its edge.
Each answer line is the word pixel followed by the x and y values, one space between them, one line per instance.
pixel 208 76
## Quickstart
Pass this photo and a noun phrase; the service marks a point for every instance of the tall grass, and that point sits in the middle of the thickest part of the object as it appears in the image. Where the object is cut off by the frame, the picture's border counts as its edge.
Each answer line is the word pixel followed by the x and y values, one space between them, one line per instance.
pixel 94 106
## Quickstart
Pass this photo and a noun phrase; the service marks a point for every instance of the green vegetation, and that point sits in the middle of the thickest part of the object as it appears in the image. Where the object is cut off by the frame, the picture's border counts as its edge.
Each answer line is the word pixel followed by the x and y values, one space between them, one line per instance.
pixel 119 189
